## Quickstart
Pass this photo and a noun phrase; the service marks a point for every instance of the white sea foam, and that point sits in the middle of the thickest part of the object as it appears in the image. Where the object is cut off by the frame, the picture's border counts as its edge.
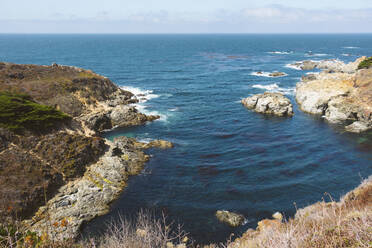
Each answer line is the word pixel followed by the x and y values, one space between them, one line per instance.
pixel 143 96
pixel 265 74
pixel 292 66
pixel 346 54
pixel 140 94
pixel 313 72
pixel 145 140
pixel 317 55
pixel 274 88
pixel 351 47
pixel 280 52
pixel 173 109
pixel 143 109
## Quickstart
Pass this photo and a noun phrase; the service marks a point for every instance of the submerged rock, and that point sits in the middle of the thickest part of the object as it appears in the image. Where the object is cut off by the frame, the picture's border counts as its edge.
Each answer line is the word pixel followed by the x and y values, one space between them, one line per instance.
pixel 269 103
pixel 230 218
pixel 277 74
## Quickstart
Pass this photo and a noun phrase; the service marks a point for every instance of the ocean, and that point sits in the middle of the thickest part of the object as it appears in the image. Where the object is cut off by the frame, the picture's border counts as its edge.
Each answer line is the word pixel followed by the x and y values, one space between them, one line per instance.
pixel 225 156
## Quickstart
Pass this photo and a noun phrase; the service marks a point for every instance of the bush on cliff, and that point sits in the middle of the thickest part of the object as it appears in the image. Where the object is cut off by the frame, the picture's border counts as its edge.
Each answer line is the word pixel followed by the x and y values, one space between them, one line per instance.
pixel 365 64
pixel 18 112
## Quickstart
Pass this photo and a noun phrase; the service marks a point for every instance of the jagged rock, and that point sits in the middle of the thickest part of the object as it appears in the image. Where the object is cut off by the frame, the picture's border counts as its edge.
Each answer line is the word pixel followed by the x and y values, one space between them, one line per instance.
pixel 341 97
pixel 308 65
pixel 269 103
pixel 98 122
pixel 124 115
pixel 230 218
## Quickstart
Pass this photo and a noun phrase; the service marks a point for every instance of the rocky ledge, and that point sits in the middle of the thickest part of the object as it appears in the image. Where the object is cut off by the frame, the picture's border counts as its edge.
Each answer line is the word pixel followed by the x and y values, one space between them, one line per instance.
pixel 340 97
pixel 89 196
pixel 56 171
pixel 269 103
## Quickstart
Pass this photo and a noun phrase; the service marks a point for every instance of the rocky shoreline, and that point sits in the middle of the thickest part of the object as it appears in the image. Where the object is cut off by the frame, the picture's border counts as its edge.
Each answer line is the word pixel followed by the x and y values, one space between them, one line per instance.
pixel 341 93
pixel 68 173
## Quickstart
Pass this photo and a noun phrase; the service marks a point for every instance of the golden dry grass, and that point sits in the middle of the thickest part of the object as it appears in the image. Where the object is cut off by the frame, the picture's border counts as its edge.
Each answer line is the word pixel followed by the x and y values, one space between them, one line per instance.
pixel 347 223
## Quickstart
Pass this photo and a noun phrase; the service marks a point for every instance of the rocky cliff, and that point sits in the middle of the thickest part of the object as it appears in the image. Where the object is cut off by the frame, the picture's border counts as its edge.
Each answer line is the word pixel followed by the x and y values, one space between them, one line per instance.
pixel 56 171
pixel 342 94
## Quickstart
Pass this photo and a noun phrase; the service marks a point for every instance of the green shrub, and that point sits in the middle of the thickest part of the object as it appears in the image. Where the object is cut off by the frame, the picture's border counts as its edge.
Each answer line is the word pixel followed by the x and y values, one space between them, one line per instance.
pixel 18 112
pixel 365 64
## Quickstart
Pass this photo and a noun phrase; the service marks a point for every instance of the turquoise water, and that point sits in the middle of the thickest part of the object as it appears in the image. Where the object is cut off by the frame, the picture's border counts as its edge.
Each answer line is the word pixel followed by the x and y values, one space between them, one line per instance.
pixel 225 156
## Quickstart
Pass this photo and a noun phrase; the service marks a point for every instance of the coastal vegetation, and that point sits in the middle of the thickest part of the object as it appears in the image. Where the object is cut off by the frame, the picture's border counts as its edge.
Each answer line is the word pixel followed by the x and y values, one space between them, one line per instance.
pixel 18 112
pixel 365 64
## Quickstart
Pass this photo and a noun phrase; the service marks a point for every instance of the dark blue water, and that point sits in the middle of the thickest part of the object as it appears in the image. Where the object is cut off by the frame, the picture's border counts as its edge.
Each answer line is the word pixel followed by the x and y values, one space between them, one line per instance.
pixel 225 156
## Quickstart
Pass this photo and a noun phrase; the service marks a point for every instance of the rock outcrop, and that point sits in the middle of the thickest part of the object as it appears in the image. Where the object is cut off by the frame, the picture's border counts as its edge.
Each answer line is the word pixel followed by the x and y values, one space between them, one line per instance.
pixel 341 97
pixel 230 218
pixel 89 196
pixel 332 65
pixel 269 103
pixel 56 172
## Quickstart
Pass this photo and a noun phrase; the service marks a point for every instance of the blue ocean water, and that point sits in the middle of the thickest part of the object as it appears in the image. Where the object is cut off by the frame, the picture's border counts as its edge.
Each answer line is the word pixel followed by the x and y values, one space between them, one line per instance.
pixel 225 156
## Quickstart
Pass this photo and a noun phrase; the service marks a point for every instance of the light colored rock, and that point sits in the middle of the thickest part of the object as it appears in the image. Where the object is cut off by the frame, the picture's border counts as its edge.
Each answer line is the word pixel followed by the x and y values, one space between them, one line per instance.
pixel 358 127
pixel 269 103
pixel 331 65
pixel 313 96
pixel 90 196
pixel 230 218
pixel 340 97
pixel 308 65
pixel 278 216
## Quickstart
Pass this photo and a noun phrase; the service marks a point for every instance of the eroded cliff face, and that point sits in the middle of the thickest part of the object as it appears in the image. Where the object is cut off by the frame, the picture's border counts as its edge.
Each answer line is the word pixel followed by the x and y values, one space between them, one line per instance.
pixel 341 97
pixel 68 170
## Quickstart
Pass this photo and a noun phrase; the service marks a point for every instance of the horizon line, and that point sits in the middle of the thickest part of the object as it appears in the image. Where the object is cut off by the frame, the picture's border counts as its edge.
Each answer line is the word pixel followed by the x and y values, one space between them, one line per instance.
pixel 201 33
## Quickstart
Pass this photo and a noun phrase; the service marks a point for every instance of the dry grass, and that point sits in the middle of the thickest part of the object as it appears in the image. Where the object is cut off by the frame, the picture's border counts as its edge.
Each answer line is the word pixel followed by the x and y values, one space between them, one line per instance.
pixel 144 232
pixel 347 223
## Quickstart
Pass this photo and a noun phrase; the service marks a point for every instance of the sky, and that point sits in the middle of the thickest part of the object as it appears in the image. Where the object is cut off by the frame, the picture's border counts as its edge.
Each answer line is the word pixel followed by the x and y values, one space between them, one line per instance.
pixel 186 16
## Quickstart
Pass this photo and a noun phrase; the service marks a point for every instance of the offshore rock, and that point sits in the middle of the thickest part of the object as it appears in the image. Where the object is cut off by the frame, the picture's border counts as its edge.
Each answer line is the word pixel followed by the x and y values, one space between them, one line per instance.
pixel 269 103
pixel 277 74
pixel 230 218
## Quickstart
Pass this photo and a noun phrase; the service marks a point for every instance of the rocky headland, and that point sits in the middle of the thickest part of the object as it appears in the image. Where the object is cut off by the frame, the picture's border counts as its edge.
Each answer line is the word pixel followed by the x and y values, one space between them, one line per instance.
pixel 341 93
pixel 56 170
